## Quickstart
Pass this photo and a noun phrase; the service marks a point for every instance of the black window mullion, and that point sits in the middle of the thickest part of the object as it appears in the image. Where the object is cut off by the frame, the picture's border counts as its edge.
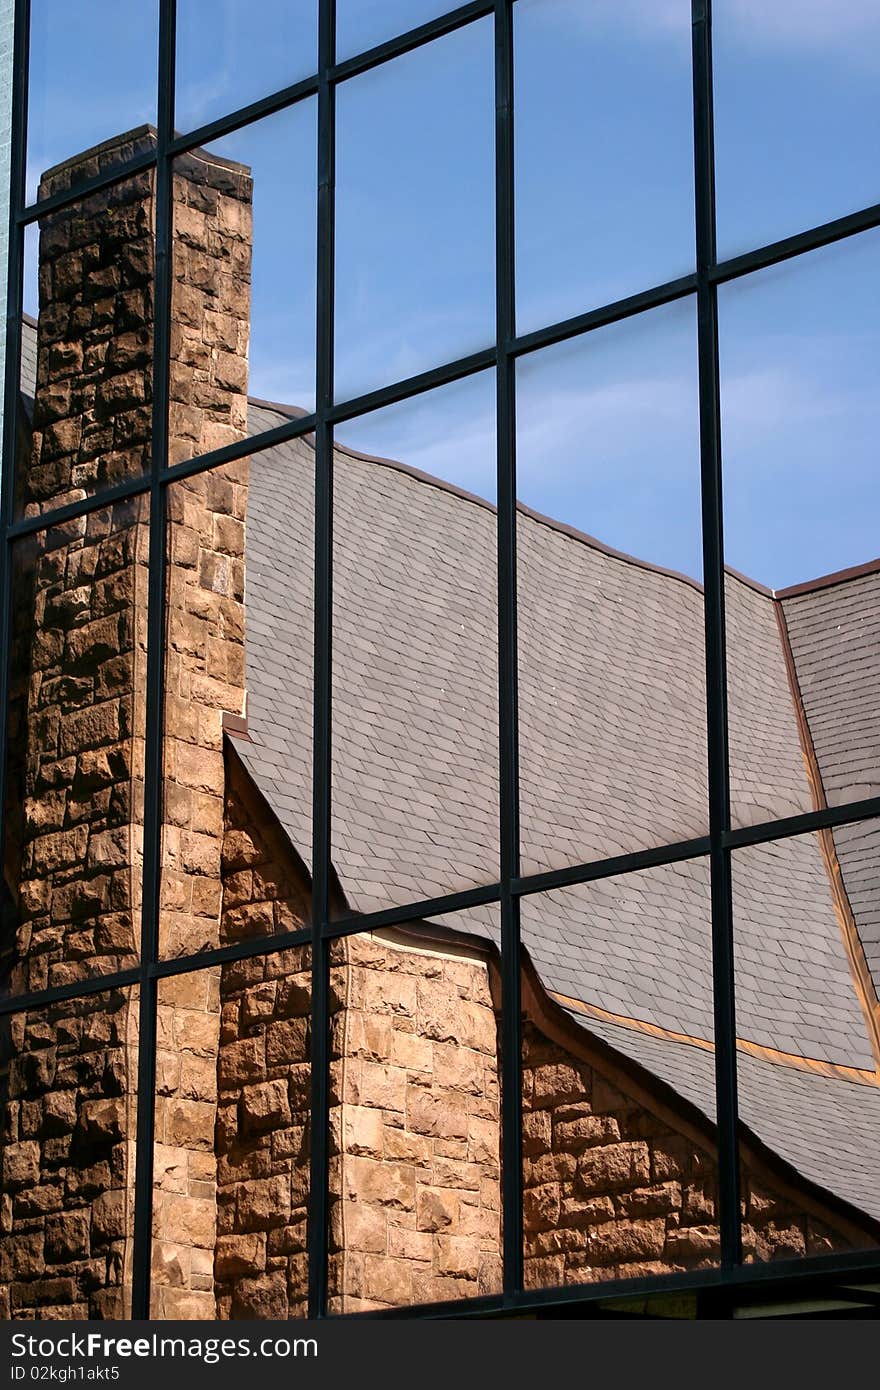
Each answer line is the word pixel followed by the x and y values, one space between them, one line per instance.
pixel 11 385
pixel 505 429
pixel 319 1130
pixel 716 688
pixel 155 677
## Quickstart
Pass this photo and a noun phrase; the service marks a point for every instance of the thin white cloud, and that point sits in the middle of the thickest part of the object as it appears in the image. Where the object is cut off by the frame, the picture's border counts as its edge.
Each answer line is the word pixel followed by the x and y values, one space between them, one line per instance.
pixel 809 389
pixel 803 23
pixel 644 17
pixel 624 424
pixel 849 29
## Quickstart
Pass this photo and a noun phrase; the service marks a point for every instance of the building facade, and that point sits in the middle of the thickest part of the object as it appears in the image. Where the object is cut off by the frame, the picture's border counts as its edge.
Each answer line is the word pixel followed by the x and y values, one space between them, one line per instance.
pixel 619 1142
pixel 409 898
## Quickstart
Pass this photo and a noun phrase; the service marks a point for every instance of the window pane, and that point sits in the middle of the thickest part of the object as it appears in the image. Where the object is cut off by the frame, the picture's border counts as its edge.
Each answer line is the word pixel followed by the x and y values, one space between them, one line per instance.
pixel 91 347
pixel 415 256
pixel 415 1182
pixel 415 723
pixel 805 948
pixel 238 689
pixel 799 358
pixel 611 661
pixel 604 153
pixel 75 739
pixel 243 298
pixel 92 75
pixel 361 24
pixel 233 53
pixel 68 1098
pixel 619 1142
pixel 797 133
pixel 231 1161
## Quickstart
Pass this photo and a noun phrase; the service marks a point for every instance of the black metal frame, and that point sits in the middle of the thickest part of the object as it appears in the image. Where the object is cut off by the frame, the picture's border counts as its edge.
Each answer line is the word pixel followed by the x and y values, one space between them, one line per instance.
pixel 732 1277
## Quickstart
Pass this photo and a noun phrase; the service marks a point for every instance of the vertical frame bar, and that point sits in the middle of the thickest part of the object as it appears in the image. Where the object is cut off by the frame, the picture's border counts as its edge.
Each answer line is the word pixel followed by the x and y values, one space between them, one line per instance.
pixel 716 686
pixel 11 385
pixel 319 1167
pixel 155 679
pixel 505 374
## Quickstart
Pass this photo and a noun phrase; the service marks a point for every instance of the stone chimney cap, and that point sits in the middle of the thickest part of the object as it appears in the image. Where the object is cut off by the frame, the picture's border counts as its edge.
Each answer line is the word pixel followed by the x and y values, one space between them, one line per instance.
pixel 119 149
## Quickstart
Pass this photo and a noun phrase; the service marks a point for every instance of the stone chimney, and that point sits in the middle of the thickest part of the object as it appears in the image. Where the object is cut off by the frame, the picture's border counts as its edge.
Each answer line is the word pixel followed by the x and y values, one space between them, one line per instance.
pixel 74 854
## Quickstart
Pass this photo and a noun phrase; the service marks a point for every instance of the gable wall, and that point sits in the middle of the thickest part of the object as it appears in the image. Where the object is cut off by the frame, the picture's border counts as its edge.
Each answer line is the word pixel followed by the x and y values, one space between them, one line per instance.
pixel 615 1184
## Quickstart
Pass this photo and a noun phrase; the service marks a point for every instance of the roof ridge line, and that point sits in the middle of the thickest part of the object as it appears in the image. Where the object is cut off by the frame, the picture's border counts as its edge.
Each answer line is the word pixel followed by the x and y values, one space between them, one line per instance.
pixel 829 581
pixel 853 947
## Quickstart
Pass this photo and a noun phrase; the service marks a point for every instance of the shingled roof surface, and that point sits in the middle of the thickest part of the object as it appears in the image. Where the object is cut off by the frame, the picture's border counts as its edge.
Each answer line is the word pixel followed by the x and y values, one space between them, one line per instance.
pixel 834 631
pixel 613 758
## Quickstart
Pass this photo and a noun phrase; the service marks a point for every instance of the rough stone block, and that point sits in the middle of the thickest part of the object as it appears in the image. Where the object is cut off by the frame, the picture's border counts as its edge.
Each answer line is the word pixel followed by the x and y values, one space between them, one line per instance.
pixel 264 1106
pixel 613 1166
pixel 240 1255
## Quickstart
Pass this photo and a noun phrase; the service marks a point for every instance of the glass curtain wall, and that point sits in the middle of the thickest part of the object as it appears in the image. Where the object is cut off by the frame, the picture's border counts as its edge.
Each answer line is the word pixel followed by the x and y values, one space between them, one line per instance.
pixel 438 657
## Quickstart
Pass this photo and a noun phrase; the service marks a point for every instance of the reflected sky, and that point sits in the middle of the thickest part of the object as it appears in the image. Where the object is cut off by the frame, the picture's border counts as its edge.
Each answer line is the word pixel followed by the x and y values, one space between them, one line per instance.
pixel 605 208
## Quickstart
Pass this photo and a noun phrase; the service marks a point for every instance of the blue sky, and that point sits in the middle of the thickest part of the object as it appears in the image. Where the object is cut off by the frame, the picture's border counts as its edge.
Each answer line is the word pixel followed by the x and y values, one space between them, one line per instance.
pixel 608 427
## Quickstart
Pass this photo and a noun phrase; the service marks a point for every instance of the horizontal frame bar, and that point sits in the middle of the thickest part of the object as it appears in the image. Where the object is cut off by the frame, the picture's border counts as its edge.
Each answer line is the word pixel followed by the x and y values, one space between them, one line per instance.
pixel 188 468
pixel 775 252
pixel 409 912
pixel 806 823
pixel 782 1274
pixel 462 901
pixel 610 868
pixel 225 955
pixel 618 309
pixel 411 39
pixel 117 174
pixel 77 989
pixel 459 368
pixel 244 116
pixel 269 105
pixel 442 375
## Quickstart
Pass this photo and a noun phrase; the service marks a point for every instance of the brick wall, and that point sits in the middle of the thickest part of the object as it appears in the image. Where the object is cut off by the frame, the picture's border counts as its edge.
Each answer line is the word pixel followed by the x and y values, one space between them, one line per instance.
pixel 415 1176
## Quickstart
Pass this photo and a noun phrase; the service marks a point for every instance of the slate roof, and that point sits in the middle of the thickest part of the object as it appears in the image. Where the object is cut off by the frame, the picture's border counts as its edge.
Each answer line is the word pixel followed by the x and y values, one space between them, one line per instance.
pixel 613 759
pixel 28 376
pixel 826 1129
pixel 834 632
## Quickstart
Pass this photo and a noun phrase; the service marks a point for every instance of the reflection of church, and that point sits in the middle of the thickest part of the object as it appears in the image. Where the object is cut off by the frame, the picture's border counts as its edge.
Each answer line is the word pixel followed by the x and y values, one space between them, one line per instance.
pixel 618 1098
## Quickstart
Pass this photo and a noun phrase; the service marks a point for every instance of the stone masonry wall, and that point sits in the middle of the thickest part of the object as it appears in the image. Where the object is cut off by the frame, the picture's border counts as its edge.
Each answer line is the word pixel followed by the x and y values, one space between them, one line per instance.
pixel 73 855
pixel 73 860
pixel 67 1093
pixel 615 1184
pixel 415 1214
pixel 264 1071
pixel 614 1188
pixel 80 739
pixel 415 1194
pixel 204 677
